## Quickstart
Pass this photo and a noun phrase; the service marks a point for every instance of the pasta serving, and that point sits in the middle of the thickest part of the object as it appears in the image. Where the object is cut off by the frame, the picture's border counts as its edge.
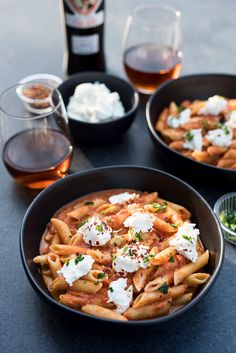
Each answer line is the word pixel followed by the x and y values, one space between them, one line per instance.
pixel 202 130
pixel 123 255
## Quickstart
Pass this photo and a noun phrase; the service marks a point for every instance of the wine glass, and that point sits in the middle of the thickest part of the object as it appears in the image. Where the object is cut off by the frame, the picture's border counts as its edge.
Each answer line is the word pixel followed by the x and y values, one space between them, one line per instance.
pixel 152 46
pixel 35 139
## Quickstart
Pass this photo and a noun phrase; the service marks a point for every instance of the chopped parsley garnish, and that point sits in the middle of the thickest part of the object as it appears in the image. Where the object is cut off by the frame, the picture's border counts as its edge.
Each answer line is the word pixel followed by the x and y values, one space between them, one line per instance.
pixel 96 283
pixel 138 235
pixel 83 222
pixel 126 248
pixel 99 228
pixel 130 252
pixel 219 124
pixel 206 125
pixel 174 225
pixel 186 237
pixel 158 207
pixel 163 288
pixel 113 257
pixel 111 289
pixel 87 203
pixel 101 275
pixel 67 262
pixel 171 259
pixel 181 108
pixel 79 258
pixel 226 130
pixel 189 136
pixel 228 219
pixel 147 258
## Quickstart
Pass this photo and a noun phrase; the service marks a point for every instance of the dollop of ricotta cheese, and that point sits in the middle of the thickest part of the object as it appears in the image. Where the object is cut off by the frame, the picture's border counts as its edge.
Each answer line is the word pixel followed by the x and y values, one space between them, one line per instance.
pixel 214 106
pixel 220 137
pixel 139 222
pixel 181 119
pixel 95 232
pixel 185 241
pixel 123 197
pixel 94 102
pixel 193 140
pixel 231 123
pixel 76 268
pixel 120 296
pixel 130 258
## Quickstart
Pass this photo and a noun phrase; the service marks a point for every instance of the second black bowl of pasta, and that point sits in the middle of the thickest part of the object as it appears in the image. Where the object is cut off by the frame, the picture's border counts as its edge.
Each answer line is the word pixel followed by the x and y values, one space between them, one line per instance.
pixel 123 245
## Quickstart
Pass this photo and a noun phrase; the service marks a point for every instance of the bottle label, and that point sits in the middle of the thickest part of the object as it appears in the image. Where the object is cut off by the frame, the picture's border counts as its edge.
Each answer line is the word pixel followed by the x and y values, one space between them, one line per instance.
pixel 85 45
pixel 84 13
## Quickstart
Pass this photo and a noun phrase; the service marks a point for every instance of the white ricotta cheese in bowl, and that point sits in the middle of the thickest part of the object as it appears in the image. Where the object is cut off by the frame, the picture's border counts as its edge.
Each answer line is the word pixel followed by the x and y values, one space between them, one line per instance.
pixel 76 268
pixel 220 137
pixel 95 232
pixel 185 241
pixel 181 119
pixel 119 295
pixel 214 106
pixel 130 258
pixel 193 140
pixel 94 103
pixel 123 197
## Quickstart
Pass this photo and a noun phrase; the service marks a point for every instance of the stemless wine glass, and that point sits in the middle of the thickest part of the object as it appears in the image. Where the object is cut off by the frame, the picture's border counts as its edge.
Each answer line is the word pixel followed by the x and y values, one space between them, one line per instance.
pixel 152 46
pixel 35 138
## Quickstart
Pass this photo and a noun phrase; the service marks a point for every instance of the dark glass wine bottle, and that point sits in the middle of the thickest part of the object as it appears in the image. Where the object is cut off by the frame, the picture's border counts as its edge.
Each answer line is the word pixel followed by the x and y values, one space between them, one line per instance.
pixel 84 32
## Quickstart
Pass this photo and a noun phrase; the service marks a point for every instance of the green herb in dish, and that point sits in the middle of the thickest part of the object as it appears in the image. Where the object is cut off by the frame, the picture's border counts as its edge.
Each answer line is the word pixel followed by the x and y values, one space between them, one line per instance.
pixel 228 219
pixel 79 258
pixel 99 228
pixel 87 203
pixel 163 288
pixel 186 237
pixel 189 136
pixel 158 207
pixel 181 108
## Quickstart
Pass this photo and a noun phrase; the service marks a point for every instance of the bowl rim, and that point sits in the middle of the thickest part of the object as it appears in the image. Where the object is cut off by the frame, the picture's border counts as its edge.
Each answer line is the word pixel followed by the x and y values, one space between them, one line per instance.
pixel 156 135
pixel 149 322
pixel 113 77
pixel 216 211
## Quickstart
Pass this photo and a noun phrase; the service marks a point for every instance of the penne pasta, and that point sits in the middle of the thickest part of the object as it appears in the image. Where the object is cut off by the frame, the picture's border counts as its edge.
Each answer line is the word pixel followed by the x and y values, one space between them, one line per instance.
pixel 41 259
pixel 99 311
pixel 158 282
pixel 164 256
pixel 118 269
pixel 141 278
pixel 215 134
pixel 54 264
pixel 148 311
pixel 181 273
pixel 196 279
pixel 151 297
pixel 62 249
pixel 62 230
pixel 182 300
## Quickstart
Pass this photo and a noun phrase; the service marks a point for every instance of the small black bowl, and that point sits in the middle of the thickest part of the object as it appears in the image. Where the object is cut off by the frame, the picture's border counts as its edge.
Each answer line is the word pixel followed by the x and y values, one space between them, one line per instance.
pixel 108 131
pixel 190 87
pixel 140 178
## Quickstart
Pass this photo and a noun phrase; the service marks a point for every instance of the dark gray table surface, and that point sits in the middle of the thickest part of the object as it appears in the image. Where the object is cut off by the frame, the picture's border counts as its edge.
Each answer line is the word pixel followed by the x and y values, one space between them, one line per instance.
pixel 31 41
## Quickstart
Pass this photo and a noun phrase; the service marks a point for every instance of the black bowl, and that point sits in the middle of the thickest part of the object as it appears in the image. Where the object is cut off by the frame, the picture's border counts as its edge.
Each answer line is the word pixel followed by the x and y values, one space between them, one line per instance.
pixel 189 87
pixel 76 185
pixel 104 132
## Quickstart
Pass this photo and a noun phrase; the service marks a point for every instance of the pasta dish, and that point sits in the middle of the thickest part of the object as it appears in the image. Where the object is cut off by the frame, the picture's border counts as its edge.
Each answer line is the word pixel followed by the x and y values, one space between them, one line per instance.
pixel 122 254
pixel 202 130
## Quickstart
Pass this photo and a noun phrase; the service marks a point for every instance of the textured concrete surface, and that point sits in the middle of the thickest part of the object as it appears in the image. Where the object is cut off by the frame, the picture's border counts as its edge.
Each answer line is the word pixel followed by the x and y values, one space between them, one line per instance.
pixel 31 41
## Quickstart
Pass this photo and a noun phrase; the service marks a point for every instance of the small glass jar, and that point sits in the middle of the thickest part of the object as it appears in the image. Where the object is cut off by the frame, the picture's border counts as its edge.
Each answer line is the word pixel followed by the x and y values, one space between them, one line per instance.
pixel 226 203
